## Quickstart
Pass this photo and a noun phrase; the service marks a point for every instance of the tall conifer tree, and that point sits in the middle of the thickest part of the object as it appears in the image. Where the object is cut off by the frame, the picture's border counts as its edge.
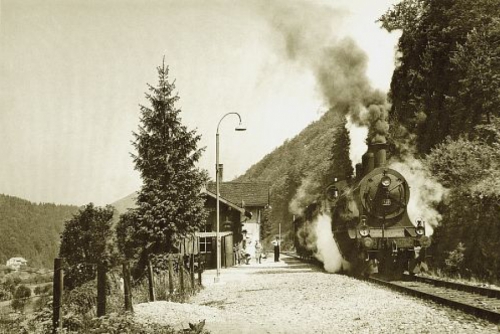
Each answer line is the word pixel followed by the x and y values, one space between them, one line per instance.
pixel 170 204
pixel 341 165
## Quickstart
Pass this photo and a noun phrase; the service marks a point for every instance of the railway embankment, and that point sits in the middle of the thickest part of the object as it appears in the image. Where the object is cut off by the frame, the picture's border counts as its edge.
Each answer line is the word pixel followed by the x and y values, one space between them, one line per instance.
pixel 295 297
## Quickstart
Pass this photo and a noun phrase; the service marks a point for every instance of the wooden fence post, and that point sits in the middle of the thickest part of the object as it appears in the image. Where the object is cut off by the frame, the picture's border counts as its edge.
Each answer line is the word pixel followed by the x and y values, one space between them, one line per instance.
pixel 191 270
pixel 181 273
pixel 151 282
pixel 57 296
pixel 127 288
pixel 101 290
pixel 170 275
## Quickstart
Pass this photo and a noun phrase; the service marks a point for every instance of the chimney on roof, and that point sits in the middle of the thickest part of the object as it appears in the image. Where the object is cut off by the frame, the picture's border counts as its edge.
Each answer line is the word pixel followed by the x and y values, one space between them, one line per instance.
pixel 221 173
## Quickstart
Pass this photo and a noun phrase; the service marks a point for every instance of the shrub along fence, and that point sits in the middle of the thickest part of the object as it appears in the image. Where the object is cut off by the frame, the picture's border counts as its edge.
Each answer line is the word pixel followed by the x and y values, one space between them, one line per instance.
pixel 173 278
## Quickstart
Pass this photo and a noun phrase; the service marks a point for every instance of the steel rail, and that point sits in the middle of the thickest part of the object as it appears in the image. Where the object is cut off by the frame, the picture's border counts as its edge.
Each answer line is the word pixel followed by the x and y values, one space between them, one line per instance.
pixel 442 296
pixel 492 293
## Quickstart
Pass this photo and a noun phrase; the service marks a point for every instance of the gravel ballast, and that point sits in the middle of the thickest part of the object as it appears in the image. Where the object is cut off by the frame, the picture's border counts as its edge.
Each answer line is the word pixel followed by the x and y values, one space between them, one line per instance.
pixel 294 297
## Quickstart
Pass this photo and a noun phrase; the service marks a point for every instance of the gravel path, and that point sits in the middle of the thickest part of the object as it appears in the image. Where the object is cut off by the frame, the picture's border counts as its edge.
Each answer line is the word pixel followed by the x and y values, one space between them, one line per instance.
pixel 293 297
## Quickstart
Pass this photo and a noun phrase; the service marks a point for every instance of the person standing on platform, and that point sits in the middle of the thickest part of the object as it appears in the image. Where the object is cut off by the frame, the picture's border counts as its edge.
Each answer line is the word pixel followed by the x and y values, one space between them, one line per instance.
pixel 250 252
pixel 276 244
pixel 237 252
pixel 258 251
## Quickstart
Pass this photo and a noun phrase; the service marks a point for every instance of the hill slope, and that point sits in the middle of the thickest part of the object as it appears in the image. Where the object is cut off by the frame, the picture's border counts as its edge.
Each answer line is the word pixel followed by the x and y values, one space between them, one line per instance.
pixel 31 230
pixel 303 159
pixel 122 205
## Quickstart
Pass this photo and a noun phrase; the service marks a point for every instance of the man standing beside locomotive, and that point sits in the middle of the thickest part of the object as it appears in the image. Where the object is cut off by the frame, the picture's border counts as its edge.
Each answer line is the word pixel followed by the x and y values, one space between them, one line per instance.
pixel 276 244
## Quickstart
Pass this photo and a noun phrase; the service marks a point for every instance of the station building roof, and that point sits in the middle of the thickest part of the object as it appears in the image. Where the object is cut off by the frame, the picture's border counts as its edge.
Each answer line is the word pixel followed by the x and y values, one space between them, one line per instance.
pixel 243 193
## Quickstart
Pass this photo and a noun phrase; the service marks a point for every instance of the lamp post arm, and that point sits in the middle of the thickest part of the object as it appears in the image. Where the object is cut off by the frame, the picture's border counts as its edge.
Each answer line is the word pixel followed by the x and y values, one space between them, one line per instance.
pixel 229 113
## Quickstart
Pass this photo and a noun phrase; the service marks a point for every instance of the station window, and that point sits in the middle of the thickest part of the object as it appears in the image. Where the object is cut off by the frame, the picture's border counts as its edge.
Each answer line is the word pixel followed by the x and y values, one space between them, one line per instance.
pixel 205 245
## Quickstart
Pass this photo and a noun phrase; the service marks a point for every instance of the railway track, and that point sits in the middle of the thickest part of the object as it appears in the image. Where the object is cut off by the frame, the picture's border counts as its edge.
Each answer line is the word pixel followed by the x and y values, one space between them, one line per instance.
pixel 481 302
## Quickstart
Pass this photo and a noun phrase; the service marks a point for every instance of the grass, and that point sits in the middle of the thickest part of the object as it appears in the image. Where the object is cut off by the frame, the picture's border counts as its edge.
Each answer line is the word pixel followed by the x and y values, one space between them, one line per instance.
pixel 457 278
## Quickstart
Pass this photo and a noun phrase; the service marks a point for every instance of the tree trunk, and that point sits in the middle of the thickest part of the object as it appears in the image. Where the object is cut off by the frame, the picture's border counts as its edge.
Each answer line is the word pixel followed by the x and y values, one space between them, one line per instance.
pixel 57 296
pixel 127 288
pixel 101 290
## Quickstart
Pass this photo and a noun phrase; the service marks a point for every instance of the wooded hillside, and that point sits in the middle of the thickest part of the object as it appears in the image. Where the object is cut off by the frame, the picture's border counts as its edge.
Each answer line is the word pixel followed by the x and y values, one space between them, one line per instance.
pixel 299 161
pixel 31 230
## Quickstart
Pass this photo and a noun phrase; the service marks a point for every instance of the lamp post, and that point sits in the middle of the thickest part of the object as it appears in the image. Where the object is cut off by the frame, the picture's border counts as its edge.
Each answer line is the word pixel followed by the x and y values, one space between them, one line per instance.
pixel 240 127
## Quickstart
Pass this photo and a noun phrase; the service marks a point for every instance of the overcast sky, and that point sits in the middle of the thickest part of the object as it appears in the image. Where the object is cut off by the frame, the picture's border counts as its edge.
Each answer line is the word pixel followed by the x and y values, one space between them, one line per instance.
pixel 72 74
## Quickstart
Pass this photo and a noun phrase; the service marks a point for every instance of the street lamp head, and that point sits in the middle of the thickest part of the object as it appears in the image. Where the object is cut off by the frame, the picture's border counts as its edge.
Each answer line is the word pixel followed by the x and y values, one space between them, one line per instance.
pixel 240 127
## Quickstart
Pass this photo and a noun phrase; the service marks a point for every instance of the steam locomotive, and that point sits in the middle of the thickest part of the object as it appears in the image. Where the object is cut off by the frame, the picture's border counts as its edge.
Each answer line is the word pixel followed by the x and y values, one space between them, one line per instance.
pixel 370 221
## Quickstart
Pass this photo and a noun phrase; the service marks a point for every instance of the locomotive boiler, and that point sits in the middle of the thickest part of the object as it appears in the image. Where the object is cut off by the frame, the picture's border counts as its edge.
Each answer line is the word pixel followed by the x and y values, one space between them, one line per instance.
pixel 370 221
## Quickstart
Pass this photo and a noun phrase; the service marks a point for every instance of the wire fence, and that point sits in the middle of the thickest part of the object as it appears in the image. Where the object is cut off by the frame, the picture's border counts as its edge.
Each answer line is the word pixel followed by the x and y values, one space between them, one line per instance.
pixel 174 279
pixel 17 305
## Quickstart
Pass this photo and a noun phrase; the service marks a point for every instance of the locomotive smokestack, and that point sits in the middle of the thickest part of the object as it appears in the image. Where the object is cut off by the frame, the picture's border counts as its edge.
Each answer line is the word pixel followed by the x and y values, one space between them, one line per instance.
pixel 379 150
pixel 373 158
pixel 368 162
pixel 359 170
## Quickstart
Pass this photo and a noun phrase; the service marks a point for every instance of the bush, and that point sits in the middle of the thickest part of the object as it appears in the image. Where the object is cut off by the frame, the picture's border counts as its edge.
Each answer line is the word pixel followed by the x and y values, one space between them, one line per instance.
pixel 11 283
pixel 124 323
pixel 140 289
pixel 455 260
pixel 5 294
pixel 114 323
pixel 82 299
pixel 40 302
pixel 21 298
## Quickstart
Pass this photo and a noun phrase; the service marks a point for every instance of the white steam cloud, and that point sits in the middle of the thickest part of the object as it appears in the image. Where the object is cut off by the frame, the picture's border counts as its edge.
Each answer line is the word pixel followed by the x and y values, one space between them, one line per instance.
pixel 317 237
pixel 327 250
pixel 425 192
pixel 357 136
pixel 303 196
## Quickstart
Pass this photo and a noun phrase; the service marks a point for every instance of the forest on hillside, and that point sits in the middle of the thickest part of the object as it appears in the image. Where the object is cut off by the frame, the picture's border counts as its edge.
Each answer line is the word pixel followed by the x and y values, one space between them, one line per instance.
pixel 31 230
pixel 308 156
pixel 445 113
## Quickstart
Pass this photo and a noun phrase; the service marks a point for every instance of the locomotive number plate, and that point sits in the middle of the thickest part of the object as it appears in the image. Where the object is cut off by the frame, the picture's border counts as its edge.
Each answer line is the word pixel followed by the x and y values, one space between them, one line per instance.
pixel 388 233
pixel 386 202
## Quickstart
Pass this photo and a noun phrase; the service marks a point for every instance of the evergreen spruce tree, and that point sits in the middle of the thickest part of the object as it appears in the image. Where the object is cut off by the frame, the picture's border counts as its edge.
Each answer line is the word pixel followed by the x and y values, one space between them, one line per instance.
pixel 170 204
pixel 341 165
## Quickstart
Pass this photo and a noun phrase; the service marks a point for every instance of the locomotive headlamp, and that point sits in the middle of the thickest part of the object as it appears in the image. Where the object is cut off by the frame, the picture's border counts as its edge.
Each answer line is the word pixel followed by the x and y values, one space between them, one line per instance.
pixel 332 192
pixel 335 192
pixel 364 230
pixel 420 229
pixel 385 181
